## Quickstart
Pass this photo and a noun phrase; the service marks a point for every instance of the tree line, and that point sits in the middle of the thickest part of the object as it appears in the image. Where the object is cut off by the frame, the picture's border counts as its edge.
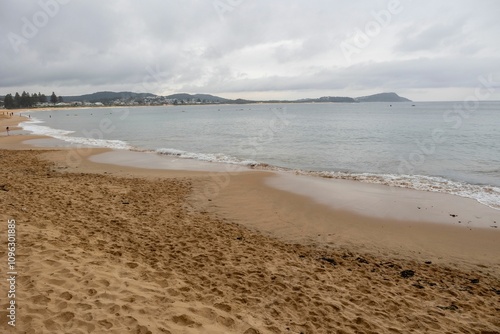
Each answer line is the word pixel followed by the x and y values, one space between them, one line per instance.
pixel 25 100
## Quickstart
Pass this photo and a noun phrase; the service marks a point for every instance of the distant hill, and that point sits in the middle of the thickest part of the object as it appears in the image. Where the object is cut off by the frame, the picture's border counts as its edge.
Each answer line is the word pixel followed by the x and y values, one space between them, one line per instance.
pixel 202 97
pixel 382 97
pixel 106 96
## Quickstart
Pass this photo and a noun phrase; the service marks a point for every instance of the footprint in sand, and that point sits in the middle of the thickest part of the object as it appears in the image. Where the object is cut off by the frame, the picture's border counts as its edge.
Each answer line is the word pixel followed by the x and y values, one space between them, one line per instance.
pixel 142 330
pixel 83 324
pixel 105 323
pixel 40 300
pixel 185 320
pixel 66 295
pixel 104 282
pixel 130 321
pixel 132 265
pixel 114 309
pixel 62 305
pixel 226 321
pixel 223 307
pixel 51 325
pixel 66 316
pixel 83 306
pixel 173 292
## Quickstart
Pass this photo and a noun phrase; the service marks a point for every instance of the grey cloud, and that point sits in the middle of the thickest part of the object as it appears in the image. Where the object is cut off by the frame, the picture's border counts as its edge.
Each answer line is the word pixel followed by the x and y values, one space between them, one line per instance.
pixel 428 39
pixel 194 47
pixel 420 73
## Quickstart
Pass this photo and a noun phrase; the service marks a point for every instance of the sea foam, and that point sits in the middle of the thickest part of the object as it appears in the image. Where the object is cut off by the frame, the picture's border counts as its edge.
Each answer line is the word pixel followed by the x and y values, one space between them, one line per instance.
pixel 34 127
pixel 484 194
pixel 209 157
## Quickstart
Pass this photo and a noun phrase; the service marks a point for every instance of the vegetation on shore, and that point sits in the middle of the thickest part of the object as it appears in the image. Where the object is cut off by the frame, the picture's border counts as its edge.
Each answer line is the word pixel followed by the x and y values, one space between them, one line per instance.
pixel 25 100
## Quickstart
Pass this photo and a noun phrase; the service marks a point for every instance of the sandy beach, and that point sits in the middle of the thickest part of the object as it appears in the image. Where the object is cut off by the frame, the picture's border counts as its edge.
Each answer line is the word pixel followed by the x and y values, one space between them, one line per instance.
pixel 119 248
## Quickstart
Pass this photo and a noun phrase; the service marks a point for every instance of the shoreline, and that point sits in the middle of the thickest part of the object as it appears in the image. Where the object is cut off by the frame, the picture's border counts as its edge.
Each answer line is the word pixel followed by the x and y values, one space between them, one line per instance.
pixel 338 194
pixel 384 210
pixel 485 194
pixel 363 198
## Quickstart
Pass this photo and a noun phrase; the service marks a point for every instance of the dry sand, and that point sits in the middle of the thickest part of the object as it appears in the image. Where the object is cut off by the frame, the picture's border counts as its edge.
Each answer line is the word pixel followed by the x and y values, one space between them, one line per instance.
pixel 109 249
pixel 11 122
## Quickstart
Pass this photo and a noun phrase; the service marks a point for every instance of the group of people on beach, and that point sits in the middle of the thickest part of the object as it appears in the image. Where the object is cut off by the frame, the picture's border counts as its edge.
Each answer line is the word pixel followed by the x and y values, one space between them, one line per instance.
pixel 12 114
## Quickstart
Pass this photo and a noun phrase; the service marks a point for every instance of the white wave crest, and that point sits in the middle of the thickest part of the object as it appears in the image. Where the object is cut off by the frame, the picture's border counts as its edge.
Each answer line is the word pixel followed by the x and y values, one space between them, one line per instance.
pixel 209 157
pixel 34 127
pixel 484 194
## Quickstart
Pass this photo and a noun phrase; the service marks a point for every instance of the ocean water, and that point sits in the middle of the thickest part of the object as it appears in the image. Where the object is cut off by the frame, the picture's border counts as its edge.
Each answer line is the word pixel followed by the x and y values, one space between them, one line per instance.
pixel 450 147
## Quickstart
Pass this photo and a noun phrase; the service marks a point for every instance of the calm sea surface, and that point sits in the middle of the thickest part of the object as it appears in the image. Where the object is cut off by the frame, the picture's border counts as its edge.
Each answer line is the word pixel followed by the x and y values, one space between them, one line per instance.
pixel 448 146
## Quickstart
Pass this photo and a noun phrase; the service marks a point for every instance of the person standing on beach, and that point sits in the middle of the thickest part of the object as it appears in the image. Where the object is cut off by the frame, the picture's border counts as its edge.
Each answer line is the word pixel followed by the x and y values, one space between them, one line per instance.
pixel 7 128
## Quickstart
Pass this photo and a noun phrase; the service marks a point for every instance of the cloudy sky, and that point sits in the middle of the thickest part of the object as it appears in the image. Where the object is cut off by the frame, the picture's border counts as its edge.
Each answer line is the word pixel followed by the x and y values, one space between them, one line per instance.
pixel 425 50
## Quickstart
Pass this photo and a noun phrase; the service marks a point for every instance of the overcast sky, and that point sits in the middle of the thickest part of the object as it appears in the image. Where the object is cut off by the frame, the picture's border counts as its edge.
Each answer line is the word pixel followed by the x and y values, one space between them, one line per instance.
pixel 285 49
